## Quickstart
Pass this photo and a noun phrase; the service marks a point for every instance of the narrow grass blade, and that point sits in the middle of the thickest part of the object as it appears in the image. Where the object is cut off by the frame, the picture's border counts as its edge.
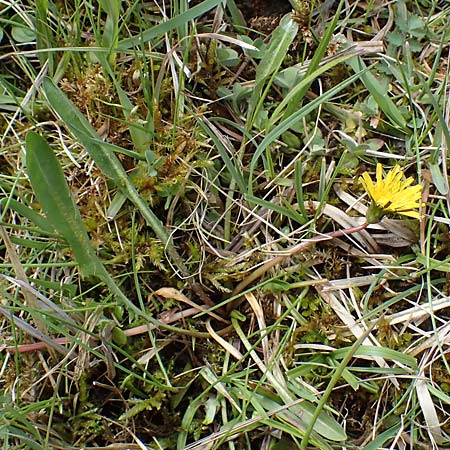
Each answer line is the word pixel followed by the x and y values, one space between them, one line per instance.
pixel 287 210
pixel 382 438
pixel 294 97
pixel 110 36
pixel 316 60
pixel 43 34
pixel 140 133
pixel 382 352
pixel 101 153
pixel 27 212
pixel 177 21
pixel 293 119
pixel 221 146
pixel 31 331
pixel 378 92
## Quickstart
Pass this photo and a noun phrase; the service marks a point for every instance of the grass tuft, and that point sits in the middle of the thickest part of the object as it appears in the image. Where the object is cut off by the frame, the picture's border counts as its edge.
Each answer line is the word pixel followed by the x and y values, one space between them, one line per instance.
pixel 186 258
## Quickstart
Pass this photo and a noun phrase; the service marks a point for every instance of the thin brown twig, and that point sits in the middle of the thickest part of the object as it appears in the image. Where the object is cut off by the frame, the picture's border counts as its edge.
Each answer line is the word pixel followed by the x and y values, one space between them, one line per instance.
pixel 141 329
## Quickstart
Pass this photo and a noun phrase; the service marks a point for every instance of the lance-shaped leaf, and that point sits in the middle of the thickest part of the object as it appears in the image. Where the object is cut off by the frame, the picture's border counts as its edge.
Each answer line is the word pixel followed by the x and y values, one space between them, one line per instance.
pixel 282 38
pixel 52 192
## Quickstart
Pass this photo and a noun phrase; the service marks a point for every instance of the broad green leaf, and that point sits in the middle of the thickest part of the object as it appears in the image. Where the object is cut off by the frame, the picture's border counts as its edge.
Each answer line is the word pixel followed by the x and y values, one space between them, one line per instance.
pixel 439 181
pixel 382 438
pixel 268 67
pixel 227 57
pixel 52 192
pixel 20 29
pixel 110 165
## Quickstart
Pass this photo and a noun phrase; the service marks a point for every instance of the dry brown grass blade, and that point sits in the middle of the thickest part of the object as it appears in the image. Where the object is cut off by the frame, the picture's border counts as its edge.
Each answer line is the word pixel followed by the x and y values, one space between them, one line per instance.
pixel 233 351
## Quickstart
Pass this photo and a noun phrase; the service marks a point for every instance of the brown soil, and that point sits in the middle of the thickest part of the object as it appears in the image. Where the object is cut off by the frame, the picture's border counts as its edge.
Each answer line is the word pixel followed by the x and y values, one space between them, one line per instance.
pixel 263 8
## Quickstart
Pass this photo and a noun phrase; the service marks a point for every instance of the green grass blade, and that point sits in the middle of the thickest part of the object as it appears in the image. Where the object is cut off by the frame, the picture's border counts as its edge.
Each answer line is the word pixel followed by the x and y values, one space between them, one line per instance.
pixel 378 92
pixel 25 211
pixel 43 34
pixel 284 210
pixel 164 27
pixel 110 36
pixel 293 119
pixel 296 94
pixel 315 62
pixel 105 159
pixel 140 133
pixel 210 129
pixel 381 352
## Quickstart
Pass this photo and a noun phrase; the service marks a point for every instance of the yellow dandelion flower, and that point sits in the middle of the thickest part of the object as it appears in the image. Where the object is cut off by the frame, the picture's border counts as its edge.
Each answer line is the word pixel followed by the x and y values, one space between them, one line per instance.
pixel 393 194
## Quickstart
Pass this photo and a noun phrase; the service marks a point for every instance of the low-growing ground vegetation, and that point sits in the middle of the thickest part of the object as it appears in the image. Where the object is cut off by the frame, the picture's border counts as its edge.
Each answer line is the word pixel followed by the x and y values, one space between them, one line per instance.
pixel 190 259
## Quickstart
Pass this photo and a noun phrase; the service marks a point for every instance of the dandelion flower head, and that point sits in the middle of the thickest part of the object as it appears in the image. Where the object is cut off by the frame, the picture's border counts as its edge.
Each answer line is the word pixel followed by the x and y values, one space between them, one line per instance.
pixel 391 194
